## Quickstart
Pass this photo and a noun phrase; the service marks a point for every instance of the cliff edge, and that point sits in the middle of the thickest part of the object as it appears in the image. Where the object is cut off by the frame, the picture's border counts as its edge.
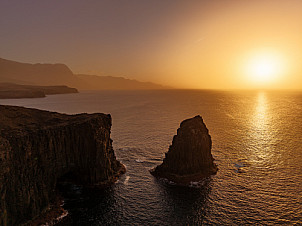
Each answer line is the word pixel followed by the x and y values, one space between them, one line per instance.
pixel 37 148
pixel 189 157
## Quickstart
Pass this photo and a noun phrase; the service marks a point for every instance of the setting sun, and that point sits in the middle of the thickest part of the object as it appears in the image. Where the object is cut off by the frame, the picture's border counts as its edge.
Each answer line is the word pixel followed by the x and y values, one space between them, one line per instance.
pixel 264 68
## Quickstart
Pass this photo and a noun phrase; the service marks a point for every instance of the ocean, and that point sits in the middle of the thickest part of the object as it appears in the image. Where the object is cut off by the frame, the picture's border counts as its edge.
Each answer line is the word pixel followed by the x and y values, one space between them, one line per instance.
pixel 257 145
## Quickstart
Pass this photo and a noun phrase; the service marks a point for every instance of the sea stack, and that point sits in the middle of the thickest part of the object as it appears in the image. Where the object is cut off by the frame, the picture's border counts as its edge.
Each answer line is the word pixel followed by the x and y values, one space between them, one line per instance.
pixel 39 148
pixel 189 157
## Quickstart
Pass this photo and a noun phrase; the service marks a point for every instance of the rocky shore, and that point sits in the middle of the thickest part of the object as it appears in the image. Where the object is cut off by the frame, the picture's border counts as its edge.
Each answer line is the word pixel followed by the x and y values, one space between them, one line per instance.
pixel 39 148
pixel 189 157
pixel 16 91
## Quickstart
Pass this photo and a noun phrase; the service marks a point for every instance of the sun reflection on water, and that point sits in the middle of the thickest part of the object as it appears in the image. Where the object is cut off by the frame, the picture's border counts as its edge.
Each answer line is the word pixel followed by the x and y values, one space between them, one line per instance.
pixel 261 131
pixel 260 115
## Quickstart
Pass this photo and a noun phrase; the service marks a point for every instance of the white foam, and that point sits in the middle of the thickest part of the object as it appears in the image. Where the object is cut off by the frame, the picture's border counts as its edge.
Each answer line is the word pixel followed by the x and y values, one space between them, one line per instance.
pixel 196 184
pixel 126 180
pixel 56 220
pixel 231 116
pixel 62 216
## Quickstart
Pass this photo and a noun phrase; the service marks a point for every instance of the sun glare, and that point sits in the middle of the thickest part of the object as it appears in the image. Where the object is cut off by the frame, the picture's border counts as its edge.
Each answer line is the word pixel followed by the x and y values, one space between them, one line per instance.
pixel 264 68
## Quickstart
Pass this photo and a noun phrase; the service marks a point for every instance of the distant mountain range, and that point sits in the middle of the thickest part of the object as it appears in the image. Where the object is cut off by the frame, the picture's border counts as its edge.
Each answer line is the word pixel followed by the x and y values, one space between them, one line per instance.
pixel 60 74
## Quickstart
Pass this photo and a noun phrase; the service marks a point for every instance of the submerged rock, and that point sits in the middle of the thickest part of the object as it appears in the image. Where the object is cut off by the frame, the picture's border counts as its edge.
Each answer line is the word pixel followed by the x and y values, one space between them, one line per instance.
pixel 37 148
pixel 189 157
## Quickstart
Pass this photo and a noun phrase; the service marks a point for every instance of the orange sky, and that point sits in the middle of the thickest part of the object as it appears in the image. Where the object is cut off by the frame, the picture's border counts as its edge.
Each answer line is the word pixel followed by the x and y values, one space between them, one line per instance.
pixel 185 44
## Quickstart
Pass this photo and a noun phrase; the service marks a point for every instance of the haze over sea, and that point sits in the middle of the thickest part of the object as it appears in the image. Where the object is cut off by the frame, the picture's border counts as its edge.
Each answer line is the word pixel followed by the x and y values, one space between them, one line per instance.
pixel 256 143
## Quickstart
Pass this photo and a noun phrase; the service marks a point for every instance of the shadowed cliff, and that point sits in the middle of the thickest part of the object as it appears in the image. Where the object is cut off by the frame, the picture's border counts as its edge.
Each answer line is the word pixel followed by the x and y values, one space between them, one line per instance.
pixel 38 147
pixel 189 157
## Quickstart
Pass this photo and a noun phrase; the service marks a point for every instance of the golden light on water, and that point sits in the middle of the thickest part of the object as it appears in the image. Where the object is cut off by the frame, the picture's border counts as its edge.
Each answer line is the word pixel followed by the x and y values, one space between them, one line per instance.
pixel 260 115
pixel 261 131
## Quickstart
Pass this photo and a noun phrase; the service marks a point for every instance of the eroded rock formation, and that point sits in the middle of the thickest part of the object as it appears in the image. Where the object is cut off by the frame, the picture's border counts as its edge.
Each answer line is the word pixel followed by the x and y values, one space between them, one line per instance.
pixel 39 147
pixel 189 157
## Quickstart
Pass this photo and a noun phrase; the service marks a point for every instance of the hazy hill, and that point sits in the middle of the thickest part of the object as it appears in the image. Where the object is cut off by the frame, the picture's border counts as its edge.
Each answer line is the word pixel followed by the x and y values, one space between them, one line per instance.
pixel 37 74
pixel 116 83
pixel 60 74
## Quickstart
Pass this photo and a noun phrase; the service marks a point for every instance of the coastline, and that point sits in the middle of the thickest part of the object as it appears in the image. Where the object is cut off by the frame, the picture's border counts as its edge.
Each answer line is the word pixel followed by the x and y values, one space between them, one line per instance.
pixel 16 91
pixel 55 214
pixel 122 170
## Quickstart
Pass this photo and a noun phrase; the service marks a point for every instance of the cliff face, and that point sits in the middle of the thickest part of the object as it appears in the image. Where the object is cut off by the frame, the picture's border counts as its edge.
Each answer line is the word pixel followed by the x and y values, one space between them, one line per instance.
pixel 189 157
pixel 38 147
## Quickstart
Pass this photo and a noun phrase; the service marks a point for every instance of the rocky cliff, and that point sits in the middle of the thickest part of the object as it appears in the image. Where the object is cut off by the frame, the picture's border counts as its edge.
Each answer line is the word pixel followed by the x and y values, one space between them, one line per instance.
pixel 189 157
pixel 37 148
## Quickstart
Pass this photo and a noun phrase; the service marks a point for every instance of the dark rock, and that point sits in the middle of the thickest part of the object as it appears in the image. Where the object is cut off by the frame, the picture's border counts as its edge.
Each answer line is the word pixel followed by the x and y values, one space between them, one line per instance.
pixel 37 148
pixel 189 157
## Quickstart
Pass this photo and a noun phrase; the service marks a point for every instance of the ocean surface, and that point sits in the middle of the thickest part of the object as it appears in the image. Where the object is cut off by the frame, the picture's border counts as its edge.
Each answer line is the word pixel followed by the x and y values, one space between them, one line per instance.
pixel 257 145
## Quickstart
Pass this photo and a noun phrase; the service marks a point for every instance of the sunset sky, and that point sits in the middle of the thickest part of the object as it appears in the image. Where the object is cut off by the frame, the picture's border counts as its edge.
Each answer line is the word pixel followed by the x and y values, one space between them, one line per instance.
pixel 228 44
